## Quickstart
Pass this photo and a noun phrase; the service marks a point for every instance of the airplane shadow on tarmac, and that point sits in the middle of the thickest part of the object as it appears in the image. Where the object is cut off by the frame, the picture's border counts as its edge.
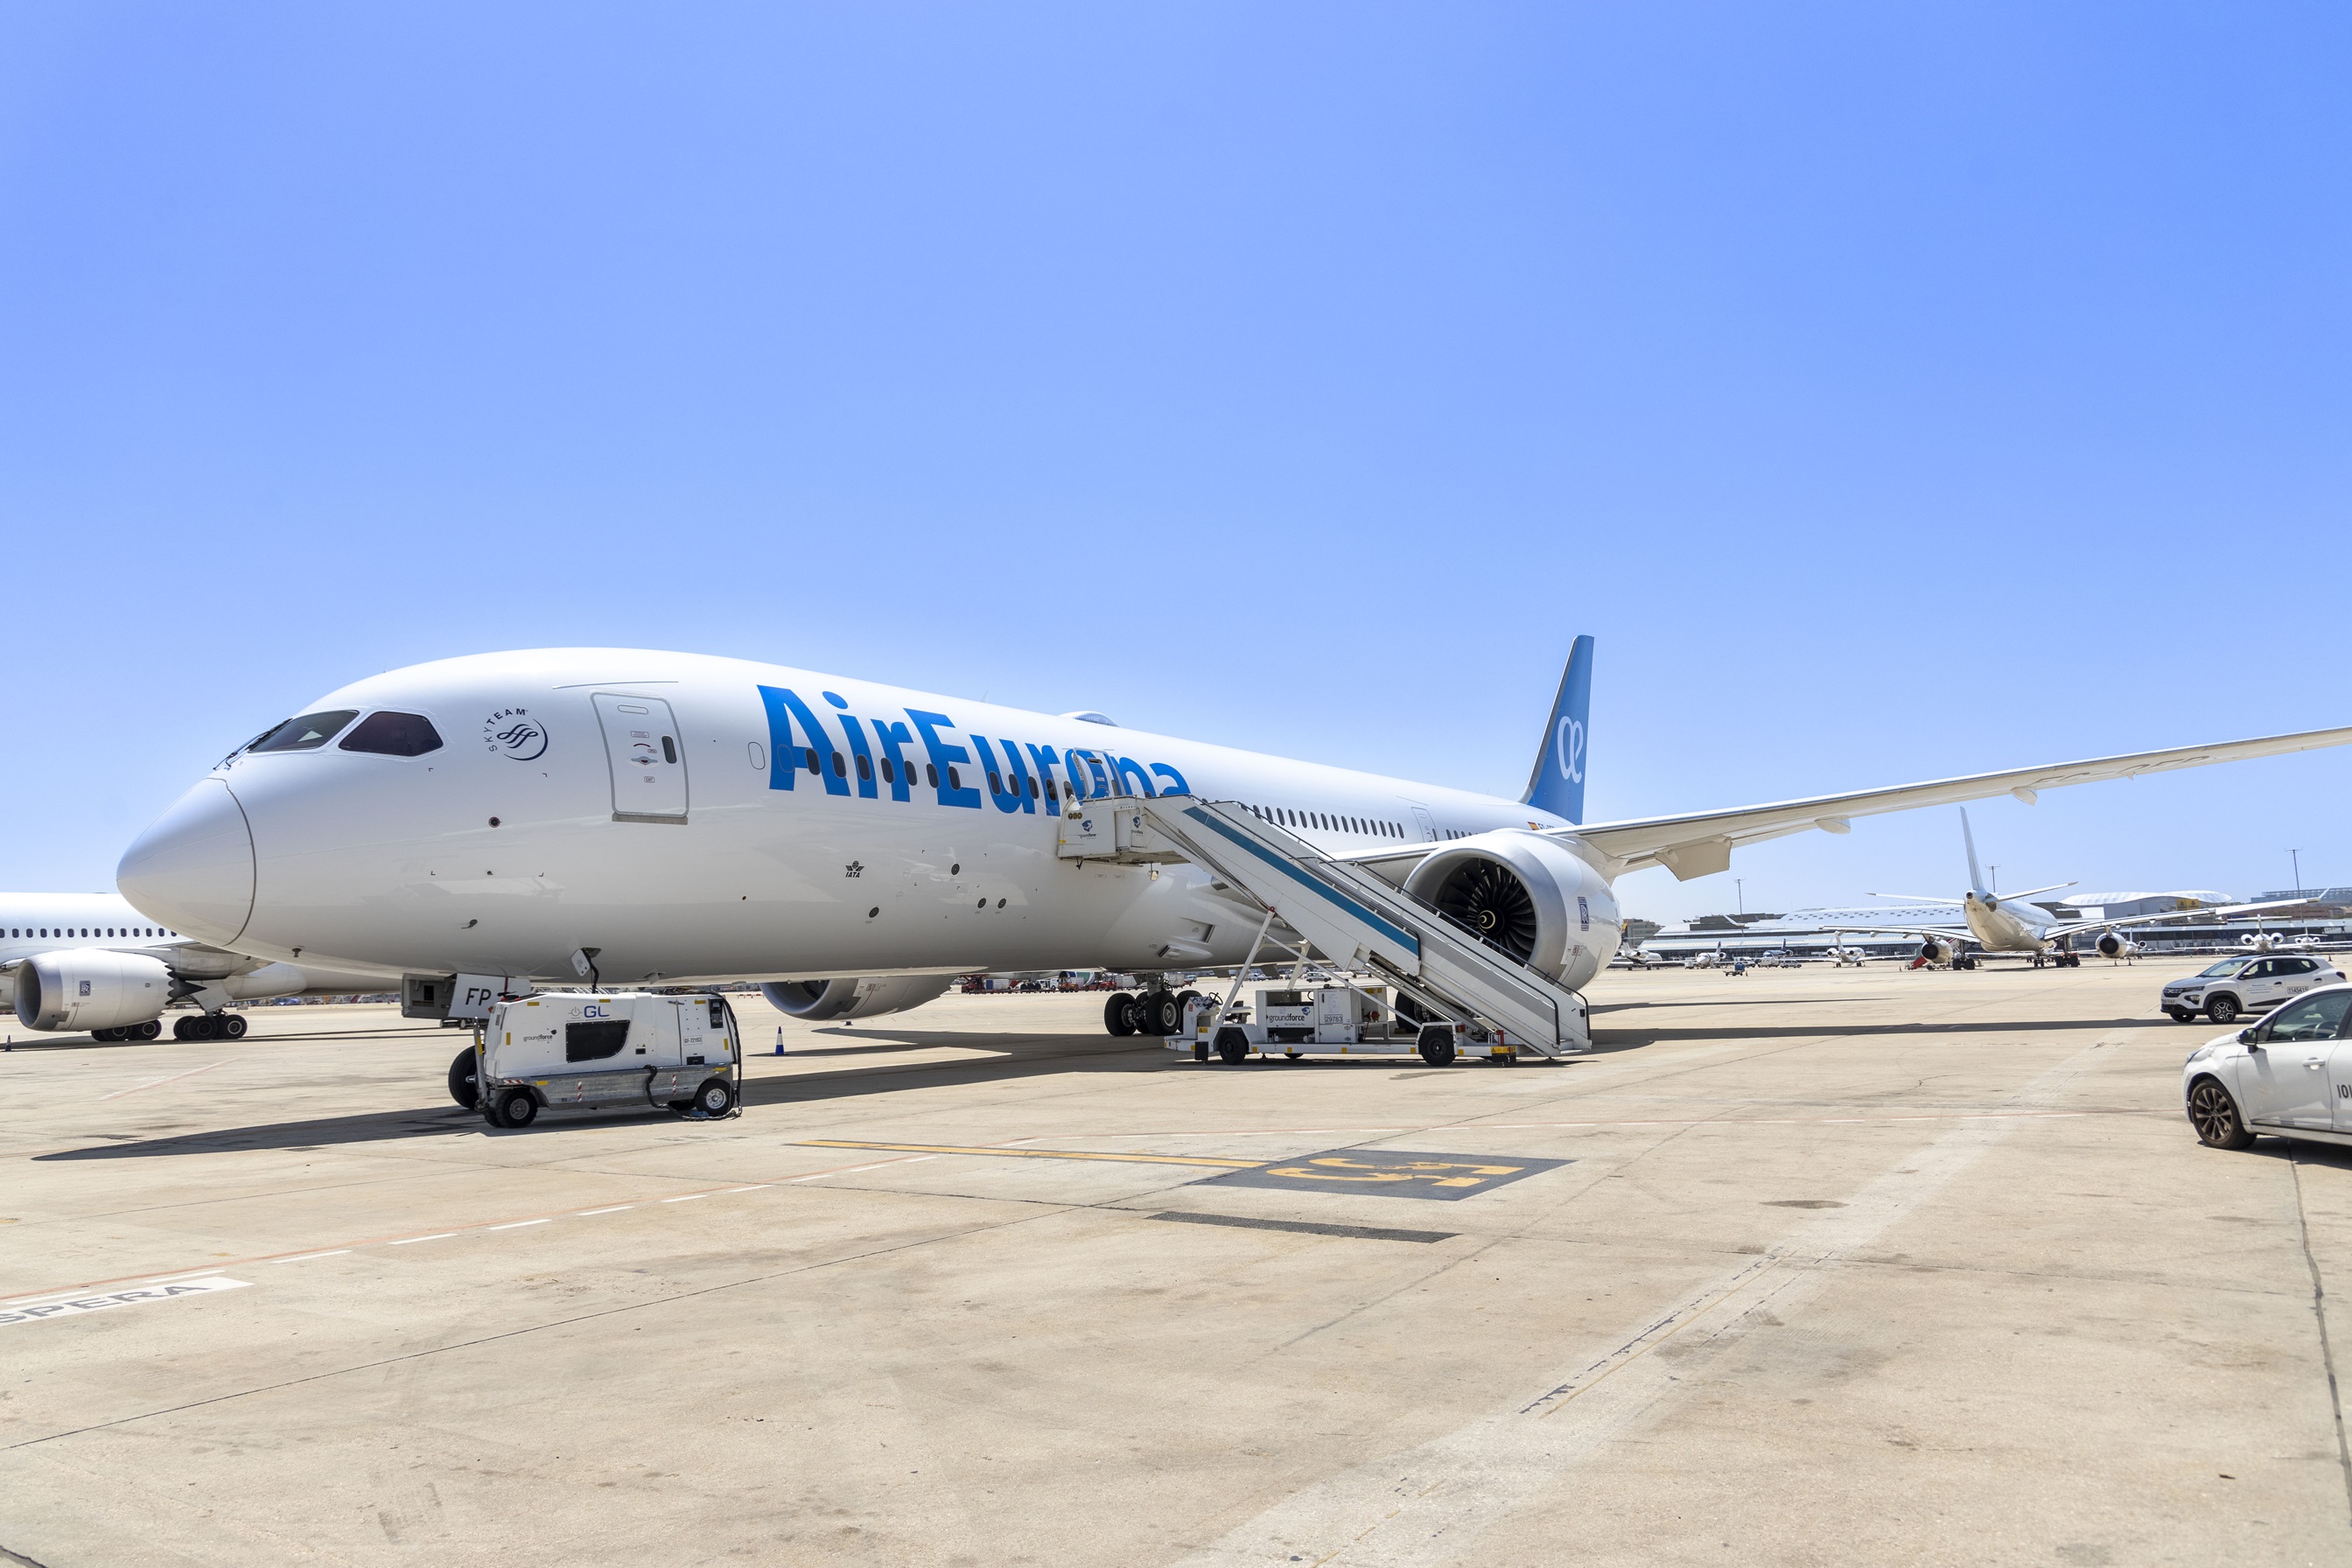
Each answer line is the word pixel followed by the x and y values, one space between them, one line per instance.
pixel 1022 1056
pixel 1056 1056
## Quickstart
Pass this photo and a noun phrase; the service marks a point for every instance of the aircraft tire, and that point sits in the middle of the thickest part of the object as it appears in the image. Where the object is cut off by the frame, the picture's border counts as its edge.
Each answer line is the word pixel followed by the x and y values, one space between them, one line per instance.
pixel 465 1082
pixel 1118 1014
pixel 516 1108
pixel 715 1099
pixel 1436 1045
pixel 229 1027
pixel 146 1031
pixel 195 1027
pixel 1157 1013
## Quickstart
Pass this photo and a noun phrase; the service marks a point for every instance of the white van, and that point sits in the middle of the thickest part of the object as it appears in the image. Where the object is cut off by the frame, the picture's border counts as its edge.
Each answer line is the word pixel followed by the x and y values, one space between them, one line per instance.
pixel 630 1049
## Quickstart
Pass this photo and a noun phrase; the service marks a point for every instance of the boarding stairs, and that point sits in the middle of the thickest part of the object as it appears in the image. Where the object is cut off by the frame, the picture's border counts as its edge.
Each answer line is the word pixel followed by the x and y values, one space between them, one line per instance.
pixel 1348 915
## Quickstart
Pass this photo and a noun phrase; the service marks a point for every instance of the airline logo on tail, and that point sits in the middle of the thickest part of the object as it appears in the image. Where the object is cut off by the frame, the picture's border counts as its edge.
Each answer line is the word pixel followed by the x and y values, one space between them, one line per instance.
pixel 1570 745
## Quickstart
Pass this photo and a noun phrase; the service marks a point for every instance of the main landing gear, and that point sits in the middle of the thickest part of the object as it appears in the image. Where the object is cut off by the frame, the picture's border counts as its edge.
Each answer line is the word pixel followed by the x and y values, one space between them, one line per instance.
pixel 209 1026
pixel 146 1031
pixel 1157 1012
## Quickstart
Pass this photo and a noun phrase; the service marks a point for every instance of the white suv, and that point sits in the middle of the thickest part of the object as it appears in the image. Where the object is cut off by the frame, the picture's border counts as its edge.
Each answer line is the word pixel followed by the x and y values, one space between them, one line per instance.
pixel 2290 1074
pixel 2236 986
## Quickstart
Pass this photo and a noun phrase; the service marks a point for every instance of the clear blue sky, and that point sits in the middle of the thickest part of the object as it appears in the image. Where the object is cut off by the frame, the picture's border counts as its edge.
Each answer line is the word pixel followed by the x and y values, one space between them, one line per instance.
pixel 1894 391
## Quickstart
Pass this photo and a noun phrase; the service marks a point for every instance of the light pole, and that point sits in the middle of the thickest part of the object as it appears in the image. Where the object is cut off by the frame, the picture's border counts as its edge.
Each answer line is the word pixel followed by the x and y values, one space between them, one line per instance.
pixel 1996 881
pixel 2294 858
pixel 1739 893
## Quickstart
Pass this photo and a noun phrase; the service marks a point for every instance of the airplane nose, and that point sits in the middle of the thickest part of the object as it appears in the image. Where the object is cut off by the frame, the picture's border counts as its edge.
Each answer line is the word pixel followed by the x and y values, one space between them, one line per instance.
pixel 193 869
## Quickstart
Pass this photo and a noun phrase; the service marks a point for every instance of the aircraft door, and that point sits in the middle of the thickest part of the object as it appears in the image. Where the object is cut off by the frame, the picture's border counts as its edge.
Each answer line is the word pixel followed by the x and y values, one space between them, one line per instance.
pixel 646 757
pixel 1426 822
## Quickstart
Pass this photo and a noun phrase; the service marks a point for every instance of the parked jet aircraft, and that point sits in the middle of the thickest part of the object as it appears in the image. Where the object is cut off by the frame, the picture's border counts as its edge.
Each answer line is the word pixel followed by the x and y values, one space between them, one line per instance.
pixel 627 816
pixel 89 961
pixel 2006 922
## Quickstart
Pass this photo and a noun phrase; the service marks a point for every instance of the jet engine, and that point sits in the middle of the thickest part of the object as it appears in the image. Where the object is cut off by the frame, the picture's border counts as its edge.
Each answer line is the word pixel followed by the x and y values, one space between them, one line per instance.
pixel 2113 944
pixel 90 988
pixel 1529 896
pixel 868 997
pixel 1936 950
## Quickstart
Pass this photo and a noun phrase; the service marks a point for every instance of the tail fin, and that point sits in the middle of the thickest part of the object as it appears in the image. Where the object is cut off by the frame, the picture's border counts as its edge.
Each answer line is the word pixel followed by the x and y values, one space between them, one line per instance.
pixel 1976 878
pixel 1557 783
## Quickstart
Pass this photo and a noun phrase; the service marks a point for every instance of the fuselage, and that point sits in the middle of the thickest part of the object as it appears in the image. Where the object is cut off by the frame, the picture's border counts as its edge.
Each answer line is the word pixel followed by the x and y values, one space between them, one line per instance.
pixel 44 922
pixel 681 818
pixel 2007 927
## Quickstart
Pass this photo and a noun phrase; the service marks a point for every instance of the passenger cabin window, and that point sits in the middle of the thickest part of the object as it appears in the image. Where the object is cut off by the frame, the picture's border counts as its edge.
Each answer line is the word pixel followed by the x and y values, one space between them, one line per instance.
pixel 390 734
pixel 594 1042
pixel 306 733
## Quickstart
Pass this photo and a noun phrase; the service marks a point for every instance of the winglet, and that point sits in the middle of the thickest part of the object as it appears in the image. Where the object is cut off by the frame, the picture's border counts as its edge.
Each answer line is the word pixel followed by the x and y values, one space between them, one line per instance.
pixel 1556 783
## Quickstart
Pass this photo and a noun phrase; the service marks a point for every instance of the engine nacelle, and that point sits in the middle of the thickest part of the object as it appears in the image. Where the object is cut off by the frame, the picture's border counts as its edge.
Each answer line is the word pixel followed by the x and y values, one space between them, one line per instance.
pixel 1936 950
pixel 819 1000
pixel 90 988
pixel 2113 945
pixel 1531 896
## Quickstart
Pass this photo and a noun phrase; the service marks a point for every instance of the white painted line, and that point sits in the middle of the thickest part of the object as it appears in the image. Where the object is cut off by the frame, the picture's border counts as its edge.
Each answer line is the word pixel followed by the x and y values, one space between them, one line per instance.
pixel 585 1213
pixel 154 1082
pixel 518 1224
pixel 79 1305
pixel 338 1252
pixel 184 1274
pixel 853 1170
pixel 761 1187
pixel 685 1197
pixel 411 1240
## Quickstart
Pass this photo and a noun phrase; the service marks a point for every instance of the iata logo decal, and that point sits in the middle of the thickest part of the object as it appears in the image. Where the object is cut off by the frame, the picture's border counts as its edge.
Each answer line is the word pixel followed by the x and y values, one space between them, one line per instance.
pixel 513 732
pixel 1570 744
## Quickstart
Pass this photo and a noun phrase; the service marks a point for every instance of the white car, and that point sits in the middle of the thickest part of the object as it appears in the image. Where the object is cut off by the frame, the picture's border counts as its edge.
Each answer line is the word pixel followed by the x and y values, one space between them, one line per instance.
pixel 2236 986
pixel 2290 1074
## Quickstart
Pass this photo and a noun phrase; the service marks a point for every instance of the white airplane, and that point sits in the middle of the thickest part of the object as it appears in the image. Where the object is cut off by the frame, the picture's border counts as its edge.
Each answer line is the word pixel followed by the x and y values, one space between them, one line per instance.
pixel 2006 922
pixel 89 961
pixel 628 817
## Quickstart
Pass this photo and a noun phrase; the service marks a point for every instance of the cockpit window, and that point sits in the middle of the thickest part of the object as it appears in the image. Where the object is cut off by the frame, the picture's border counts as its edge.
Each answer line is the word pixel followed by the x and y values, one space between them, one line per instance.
pixel 390 734
pixel 306 733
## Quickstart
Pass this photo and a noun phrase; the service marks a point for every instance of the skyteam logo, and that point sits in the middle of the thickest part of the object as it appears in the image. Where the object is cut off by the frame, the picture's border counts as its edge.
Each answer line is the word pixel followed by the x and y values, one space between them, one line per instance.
pixel 512 733
pixel 1568 744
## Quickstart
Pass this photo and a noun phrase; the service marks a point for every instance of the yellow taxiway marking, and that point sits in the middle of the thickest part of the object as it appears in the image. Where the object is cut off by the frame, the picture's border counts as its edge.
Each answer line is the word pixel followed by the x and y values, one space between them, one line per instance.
pixel 1037 1153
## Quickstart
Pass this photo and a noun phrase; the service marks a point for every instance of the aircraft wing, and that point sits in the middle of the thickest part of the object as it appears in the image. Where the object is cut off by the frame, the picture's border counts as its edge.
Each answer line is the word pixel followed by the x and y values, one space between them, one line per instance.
pixel 1701 843
pixel 2216 911
pixel 1843 928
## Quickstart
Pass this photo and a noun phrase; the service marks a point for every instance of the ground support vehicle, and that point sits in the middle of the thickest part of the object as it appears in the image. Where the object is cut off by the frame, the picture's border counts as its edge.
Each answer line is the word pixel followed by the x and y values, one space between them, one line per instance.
pixel 1331 1019
pixel 2290 1074
pixel 611 1051
pixel 2230 990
